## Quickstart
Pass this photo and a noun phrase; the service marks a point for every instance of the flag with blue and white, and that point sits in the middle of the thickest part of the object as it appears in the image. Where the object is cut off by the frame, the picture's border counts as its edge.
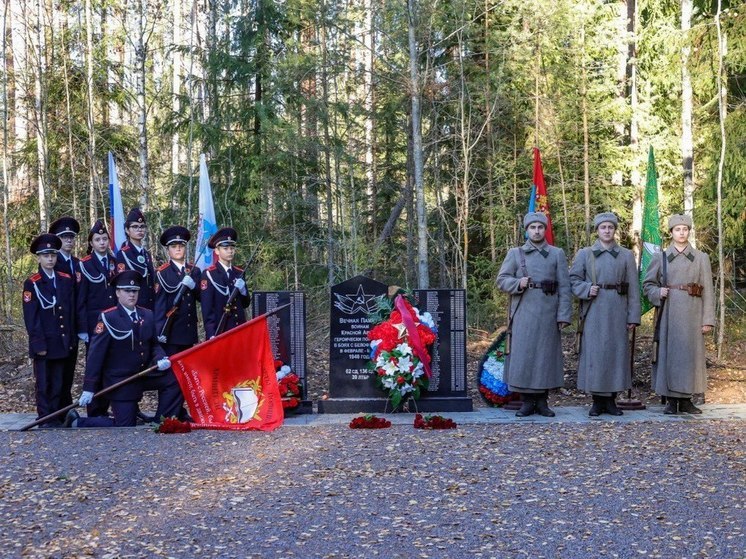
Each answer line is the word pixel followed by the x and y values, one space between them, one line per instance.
pixel 203 257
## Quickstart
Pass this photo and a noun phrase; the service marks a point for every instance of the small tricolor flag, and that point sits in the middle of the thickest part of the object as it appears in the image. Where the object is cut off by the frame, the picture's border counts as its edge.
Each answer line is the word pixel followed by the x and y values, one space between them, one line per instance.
pixel 116 211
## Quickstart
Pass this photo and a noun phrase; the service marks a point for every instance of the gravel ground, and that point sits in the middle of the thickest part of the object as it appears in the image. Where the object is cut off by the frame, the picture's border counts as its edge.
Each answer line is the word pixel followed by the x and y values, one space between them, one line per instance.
pixel 556 490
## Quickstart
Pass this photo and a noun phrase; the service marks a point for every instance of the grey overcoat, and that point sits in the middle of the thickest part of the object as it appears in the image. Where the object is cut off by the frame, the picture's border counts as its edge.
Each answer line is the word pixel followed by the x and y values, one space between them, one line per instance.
pixel 535 362
pixel 680 370
pixel 603 364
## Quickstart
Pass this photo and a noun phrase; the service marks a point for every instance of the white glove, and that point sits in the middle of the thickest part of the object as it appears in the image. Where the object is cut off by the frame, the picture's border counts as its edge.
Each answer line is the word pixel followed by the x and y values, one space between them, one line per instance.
pixel 83 336
pixel 85 398
pixel 162 339
pixel 188 281
pixel 240 285
pixel 163 363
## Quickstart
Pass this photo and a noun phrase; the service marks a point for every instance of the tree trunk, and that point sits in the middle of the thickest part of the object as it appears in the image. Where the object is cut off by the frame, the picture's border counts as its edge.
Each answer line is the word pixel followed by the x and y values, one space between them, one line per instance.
pixel 90 122
pixel 423 280
pixel 687 141
pixel 41 117
pixel 586 155
pixel 7 306
pixel 327 155
pixel 369 41
pixel 142 121
pixel 175 85
pixel 722 108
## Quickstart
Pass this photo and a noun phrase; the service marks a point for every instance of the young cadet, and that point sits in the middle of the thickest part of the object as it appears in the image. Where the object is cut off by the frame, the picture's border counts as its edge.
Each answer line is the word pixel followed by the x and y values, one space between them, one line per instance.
pixel 124 343
pixel 604 278
pixel 67 228
pixel 175 277
pixel 217 283
pixel 680 281
pixel 536 277
pixel 49 317
pixel 95 294
pixel 133 256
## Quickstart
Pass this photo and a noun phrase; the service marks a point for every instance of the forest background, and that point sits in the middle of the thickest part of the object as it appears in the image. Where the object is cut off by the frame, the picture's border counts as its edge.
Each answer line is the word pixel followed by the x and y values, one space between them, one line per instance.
pixel 391 138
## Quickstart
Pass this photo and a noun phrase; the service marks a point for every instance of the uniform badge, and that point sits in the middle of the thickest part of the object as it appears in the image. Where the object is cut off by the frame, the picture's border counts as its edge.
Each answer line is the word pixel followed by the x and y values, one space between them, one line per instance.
pixel 77 277
pixel 120 267
pixel 141 259
pixel 157 287
pixel 99 328
pixel 203 285
pixel 27 296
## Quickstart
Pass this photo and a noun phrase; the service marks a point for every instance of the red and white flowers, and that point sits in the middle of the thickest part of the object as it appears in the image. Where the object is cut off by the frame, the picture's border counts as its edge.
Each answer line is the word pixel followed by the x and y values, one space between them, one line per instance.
pixel 289 386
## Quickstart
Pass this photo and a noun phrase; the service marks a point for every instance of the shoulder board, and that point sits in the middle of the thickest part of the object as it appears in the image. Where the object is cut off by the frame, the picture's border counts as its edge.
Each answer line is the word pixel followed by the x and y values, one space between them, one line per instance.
pixel 238 269
pixel 189 264
pixel 125 247
pixel 64 275
pixel 35 277
pixel 86 258
pixel 164 266
pixel 109 309
pixel 211 268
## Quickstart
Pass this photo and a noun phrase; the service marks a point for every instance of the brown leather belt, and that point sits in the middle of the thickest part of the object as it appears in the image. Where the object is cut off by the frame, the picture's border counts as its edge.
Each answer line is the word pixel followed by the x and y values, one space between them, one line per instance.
pixel 693 289
pixel 614 286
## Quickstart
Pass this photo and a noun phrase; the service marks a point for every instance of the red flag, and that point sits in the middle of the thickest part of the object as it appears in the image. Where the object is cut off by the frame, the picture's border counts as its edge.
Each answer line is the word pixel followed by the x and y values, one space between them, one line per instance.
pixel 230 382
pixel 542 201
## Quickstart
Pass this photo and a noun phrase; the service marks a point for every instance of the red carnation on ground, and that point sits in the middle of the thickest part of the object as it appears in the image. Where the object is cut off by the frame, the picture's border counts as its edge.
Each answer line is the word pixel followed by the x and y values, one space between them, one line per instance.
pixel 172 425
pixel 369 422
pixel 433 422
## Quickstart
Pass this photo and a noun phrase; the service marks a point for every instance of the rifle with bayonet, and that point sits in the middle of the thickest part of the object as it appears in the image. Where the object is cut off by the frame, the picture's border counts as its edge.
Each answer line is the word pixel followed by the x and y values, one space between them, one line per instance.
pixel 174 310
pixel 659 310
pixel 511 316
pixel 234 293
pixel 583 315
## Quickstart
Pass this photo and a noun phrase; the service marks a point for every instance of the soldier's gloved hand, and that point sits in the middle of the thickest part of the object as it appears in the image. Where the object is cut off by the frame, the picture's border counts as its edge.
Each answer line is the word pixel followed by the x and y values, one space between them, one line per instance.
pixel 85 398
pixel 523 283
pixel 594 291
pixel 163 363
pixel 188 282
pixel 241 286
pixel 83 336
pixel 162 339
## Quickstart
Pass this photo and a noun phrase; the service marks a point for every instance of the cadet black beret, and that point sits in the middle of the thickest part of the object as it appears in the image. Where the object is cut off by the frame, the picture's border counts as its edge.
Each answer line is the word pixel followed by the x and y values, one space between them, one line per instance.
pixel 46 243
pixel 175 234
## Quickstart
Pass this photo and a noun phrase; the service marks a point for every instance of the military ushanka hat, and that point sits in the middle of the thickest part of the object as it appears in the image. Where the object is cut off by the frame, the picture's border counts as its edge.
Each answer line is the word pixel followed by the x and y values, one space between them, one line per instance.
pixel 533 217
pixel 605 217
pixel 679 219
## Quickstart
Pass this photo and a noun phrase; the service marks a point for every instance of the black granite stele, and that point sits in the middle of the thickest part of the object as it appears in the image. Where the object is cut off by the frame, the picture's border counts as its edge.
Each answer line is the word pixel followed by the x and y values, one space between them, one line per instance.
pixel 287 333
pixel 352 386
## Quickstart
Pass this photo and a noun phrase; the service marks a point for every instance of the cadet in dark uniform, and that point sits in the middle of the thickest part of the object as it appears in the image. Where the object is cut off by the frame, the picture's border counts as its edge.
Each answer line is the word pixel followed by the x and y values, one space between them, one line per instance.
pixel 49 316
pixel 175 276
pixel 67 228
pixel 217 283
pixel 133 256
pixel 95 294
pixel 124 343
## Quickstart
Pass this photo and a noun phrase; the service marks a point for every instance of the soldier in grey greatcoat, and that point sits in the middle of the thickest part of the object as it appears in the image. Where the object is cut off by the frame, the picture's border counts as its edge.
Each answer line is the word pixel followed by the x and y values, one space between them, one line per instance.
pixel 682 285
pixel 604 278
pixel 536 277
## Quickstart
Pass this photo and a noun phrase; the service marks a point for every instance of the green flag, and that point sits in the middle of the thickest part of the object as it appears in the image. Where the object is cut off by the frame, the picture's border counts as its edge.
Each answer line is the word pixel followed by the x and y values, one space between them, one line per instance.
pixel 651 234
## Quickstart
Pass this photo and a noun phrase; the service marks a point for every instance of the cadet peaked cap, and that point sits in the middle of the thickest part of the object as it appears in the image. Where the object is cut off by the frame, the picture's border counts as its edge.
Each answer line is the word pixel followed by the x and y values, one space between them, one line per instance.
pixel 46 243
pixel 605 217
pixel 129 280
pixel 135 216
pixel 226 236
pixel 98 229
pixel 175 234
pixel 65 226
pixel 679 219
pixel 533 217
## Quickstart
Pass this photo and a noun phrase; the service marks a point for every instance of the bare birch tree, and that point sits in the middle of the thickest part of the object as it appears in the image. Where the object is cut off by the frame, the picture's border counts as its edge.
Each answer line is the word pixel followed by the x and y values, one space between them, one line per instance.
pixel 687 139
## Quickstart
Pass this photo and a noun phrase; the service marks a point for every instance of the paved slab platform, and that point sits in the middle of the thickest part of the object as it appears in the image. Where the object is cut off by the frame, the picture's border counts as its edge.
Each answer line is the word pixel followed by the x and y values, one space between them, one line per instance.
pixel 483 416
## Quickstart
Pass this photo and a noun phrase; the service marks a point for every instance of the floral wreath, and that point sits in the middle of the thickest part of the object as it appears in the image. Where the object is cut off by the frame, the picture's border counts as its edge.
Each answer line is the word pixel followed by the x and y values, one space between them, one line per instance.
pixel 399 347
pixel 491 377
pixel 289 384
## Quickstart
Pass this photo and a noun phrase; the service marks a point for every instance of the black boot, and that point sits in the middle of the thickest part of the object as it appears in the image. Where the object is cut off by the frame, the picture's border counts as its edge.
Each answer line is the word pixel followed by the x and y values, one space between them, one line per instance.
pixel 672 406
pixel 542 407
pixel 597 408
pixel 686 406
pixel 610 406
pixel 528 407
